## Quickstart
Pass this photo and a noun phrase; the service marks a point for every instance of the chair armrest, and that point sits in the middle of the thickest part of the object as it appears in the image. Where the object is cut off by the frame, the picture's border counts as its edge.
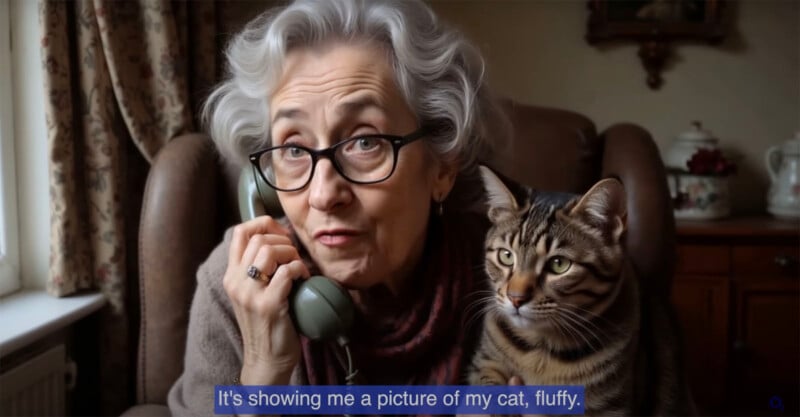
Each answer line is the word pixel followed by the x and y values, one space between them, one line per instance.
pixel 179 228
pixel 630 154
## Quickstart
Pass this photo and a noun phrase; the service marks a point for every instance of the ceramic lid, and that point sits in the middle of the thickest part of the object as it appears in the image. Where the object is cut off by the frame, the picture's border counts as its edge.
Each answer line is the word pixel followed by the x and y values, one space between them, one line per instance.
pixel 696 133
pixel 792 146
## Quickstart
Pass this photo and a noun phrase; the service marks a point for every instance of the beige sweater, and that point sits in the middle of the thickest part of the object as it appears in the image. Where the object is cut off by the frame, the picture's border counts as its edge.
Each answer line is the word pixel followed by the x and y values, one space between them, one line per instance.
pixel 213 342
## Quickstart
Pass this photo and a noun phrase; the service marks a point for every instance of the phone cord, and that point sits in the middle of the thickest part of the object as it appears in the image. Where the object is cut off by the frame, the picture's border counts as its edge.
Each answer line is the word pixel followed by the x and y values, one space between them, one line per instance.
pixel 351 373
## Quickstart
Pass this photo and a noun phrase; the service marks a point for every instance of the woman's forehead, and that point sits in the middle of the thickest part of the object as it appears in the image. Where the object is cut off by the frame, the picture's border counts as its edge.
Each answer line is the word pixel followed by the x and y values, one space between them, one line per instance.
pixel 338 57
pixel 348 77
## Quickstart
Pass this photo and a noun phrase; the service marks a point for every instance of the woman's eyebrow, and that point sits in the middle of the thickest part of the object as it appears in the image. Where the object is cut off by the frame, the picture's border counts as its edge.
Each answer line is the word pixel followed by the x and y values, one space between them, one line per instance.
pixel 290 113
pixel 358 105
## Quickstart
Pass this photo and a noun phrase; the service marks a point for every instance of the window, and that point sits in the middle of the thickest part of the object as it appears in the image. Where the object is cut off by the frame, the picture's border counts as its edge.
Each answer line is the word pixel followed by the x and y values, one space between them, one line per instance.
pixel 9 247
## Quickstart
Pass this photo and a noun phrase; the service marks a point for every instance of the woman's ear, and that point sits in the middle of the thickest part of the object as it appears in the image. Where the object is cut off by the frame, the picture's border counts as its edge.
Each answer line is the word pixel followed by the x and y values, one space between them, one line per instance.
pixel 444 178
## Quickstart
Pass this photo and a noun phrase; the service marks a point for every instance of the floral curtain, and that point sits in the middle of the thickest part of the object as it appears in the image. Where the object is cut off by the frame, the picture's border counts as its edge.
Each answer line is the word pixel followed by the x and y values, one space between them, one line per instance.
pixel 122 78
pixel 114 72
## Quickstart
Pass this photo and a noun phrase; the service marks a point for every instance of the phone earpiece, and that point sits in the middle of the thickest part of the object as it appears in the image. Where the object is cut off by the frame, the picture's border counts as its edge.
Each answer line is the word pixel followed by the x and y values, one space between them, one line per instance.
pixel 321 309
pixel 256 197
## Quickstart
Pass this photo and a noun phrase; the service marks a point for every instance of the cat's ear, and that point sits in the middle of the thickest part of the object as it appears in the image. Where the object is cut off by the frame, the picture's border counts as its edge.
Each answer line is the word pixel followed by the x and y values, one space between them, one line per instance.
pixel 500 199
pixel 604 207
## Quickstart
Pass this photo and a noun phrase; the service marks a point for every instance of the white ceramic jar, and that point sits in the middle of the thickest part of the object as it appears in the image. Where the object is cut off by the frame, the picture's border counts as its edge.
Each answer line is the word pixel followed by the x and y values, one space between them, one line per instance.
pixel 783 165
pixel 699 197
pixel 695 197
pixel 686 144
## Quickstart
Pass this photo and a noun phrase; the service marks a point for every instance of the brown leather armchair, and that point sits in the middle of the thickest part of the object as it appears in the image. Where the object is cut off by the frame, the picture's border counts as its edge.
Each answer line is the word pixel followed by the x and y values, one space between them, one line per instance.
pixel 190 200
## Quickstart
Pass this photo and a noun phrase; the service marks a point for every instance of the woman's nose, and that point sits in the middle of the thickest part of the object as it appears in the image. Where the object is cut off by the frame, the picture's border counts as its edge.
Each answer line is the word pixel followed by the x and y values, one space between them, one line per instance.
pixel 328 189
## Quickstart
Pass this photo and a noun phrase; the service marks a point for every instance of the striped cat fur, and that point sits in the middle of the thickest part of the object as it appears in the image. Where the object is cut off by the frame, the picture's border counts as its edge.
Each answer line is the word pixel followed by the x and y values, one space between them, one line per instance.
pixel 565 307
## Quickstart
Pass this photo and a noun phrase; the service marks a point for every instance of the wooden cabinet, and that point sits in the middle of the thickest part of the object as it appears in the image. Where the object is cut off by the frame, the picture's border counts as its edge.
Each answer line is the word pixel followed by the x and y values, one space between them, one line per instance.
pixel 737 295
pixel 702 307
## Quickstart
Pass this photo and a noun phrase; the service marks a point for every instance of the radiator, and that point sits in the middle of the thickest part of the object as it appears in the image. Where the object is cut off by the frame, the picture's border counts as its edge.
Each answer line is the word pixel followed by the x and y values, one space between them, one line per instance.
pixel 36 387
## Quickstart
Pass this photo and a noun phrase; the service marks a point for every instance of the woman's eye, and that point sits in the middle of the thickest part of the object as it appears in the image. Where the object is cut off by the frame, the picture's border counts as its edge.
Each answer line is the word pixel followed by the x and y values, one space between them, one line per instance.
pixel 295 152
pixel 364 147
pixel 505 257
pixel 366 144
pixel 558 265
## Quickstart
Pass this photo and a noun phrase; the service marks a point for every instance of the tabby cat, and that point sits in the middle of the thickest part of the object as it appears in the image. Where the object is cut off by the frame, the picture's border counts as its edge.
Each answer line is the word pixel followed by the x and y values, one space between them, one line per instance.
pixel 566 308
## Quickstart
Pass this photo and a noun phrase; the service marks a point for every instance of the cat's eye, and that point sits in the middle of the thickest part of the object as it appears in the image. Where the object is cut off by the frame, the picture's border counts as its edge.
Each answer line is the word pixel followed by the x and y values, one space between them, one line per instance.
pixel 558 265
pixel 505 257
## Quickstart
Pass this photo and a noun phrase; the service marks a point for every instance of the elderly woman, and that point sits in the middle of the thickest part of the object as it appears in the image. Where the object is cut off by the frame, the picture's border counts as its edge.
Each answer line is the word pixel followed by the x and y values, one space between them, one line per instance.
pixel 367 117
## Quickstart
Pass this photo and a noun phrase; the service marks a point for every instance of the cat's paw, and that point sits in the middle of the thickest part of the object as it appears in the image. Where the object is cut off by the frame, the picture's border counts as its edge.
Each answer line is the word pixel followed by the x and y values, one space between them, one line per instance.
pixel 487 375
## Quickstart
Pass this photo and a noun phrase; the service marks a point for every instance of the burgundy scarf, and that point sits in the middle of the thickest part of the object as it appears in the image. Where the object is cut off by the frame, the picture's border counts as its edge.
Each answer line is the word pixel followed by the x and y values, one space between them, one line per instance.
pixel 428 343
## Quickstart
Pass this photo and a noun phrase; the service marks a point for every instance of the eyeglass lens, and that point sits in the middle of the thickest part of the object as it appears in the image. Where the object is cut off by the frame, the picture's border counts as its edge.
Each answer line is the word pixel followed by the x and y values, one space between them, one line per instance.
pixel 363 159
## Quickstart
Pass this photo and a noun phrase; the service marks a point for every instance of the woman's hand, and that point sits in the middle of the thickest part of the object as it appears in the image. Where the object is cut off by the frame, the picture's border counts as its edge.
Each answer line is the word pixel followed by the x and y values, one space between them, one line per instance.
pixel 271 347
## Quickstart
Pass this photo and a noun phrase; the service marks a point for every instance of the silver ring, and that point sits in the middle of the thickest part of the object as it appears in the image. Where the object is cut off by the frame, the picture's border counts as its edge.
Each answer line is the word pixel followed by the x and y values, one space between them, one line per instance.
pixel 254 272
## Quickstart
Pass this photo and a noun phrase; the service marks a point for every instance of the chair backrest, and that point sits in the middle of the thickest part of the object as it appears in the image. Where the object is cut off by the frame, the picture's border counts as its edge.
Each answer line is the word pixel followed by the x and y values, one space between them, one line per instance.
pixel 190 200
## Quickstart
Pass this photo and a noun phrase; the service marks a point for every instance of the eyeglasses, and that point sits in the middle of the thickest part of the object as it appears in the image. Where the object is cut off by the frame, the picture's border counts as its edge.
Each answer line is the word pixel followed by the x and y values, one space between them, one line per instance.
pixel 366 159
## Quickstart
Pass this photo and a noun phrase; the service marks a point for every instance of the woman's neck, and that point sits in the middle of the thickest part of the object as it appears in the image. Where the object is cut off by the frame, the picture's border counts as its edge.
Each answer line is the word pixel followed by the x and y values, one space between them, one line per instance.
pixel 395 293
pixel 385 301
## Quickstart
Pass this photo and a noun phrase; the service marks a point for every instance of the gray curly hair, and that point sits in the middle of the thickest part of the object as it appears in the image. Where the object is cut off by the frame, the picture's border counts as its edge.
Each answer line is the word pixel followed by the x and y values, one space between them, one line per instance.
pixel 440 74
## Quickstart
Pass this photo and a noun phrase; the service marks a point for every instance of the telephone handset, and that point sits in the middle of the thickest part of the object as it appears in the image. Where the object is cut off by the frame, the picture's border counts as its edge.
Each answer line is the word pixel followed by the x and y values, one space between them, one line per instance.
pixel 320 308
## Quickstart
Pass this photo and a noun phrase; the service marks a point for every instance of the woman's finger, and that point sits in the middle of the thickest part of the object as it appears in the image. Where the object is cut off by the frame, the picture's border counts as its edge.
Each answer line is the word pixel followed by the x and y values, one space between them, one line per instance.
pixel 264 225
pixel 257 241
pixel 268 258
pixel 281 283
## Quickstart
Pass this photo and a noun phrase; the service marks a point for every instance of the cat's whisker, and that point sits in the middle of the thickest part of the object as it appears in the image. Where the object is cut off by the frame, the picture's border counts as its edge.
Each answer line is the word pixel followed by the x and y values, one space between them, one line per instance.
pixel 478 299
pixel 583 320
pixel 560 329
pixel 479 292
pixel 478 308
pixel 487 312
pixel 579 333
pixel 469 319
pixel 592 336
pixel 568 321
pixel 615 326
pixel 574 334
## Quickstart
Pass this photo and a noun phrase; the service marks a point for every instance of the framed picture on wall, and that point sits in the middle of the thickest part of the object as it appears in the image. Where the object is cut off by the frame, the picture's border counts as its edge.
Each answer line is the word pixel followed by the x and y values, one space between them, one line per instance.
pixel 655 24
pixel 648 10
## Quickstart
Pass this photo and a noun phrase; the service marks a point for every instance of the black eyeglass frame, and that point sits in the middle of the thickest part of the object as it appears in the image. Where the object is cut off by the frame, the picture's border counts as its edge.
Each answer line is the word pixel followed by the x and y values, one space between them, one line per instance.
pixel 330 153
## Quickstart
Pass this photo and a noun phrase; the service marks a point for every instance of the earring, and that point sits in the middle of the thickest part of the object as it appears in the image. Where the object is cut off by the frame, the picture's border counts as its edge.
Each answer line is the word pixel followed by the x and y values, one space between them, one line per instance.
pixel 439 205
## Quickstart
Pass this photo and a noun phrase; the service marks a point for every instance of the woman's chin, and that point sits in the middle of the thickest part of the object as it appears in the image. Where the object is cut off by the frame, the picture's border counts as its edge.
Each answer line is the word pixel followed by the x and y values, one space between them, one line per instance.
pixel 348 273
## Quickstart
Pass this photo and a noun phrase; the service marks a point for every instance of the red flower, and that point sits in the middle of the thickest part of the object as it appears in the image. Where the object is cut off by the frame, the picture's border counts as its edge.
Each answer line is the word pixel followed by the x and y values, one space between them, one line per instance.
pixel 710 162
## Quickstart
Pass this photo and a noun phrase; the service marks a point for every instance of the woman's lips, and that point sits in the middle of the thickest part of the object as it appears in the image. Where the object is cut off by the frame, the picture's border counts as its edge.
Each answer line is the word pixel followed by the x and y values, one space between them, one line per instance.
pixel 336 237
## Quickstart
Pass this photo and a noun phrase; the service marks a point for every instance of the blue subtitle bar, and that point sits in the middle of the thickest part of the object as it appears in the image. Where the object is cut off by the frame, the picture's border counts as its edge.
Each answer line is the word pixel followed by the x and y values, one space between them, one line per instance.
pixel 399 399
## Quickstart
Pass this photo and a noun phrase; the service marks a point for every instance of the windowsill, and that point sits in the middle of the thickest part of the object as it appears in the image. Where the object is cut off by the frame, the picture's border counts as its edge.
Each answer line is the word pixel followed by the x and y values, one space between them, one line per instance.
pixel 29 315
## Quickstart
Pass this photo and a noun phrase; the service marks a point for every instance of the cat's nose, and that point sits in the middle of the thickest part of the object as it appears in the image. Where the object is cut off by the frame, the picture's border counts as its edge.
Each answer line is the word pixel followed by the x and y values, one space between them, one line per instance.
pixel 518 299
